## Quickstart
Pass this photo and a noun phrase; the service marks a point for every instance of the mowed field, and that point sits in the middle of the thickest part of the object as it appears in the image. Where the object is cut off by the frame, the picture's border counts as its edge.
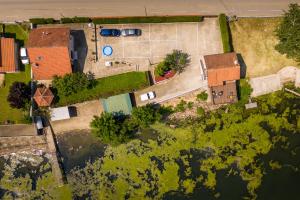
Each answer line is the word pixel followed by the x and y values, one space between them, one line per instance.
pixel 255 40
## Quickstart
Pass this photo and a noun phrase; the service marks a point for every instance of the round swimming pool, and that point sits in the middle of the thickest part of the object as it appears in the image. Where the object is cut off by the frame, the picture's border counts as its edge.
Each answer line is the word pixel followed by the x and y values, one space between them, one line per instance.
pixel 107 50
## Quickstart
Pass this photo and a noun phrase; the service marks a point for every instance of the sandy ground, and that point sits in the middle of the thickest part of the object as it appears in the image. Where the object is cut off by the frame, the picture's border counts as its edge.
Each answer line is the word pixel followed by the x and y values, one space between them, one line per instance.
pixel 85 113
pixel 11 10
pixel 255 40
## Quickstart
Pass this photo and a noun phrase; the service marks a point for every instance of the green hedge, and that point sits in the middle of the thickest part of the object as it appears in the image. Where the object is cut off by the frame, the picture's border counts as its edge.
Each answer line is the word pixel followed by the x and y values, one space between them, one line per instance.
pixel 42 20
pixel 130 20
pixel 225 33
pixel 67 20
pixel 108 86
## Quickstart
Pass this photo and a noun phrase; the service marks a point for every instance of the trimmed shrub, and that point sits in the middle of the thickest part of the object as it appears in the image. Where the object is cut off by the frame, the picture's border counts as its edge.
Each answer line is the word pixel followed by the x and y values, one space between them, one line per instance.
pixel 161 69
pixel 202 96
pixel 42 20
pixel 153 19
pixel 105 87
pixel 227 47
pixel 66 20
pixel 81 19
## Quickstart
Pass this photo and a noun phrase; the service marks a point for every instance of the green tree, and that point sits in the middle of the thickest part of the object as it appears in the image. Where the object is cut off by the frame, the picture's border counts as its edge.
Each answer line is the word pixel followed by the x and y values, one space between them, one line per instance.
pixel 111 129
pixel 288 33
pixel 145 115
pixel 177 60
pixel 72 83
pixel 19 95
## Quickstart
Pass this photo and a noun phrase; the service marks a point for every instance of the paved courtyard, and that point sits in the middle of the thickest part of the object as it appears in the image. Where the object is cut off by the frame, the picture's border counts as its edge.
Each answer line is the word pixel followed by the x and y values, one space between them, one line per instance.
pixel 85 113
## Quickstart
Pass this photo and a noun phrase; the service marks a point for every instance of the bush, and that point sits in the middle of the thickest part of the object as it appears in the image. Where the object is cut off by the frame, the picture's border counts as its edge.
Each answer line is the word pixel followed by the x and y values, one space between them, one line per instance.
pixel 153 19
pixel 200 111
pixel 161 69
pixel 145 115
pixel 110 129
pixel 224 28
pixel 190 105
pixel 108 86
pixel 181 106
pixel 202 96
pixel 72 83
pixel 177 60
pixel 42 20
pixel 19 95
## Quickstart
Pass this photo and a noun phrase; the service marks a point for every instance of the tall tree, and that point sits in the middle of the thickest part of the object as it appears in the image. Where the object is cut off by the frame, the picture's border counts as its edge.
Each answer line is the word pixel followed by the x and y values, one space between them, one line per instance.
pixel 288 33
pixel 19 95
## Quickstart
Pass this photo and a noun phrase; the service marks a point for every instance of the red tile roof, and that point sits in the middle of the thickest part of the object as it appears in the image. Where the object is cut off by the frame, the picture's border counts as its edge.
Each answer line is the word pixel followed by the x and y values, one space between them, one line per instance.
pixel 222 67
pixel 48 50
pixel 7 55
pixel 49 37
pixel 43 96
pixel 48 62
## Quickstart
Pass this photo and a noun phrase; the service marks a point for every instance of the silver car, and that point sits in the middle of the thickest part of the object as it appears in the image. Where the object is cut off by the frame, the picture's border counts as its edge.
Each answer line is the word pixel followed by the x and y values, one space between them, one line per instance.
pixel 131 32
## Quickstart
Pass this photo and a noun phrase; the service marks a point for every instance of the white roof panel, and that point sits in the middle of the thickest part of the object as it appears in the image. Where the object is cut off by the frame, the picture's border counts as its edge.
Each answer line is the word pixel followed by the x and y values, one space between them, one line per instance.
pixel 59 113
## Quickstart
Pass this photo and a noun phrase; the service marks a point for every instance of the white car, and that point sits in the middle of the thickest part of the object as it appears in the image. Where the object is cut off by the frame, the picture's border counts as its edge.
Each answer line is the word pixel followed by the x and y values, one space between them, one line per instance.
pixel 24 56
pixel 147 96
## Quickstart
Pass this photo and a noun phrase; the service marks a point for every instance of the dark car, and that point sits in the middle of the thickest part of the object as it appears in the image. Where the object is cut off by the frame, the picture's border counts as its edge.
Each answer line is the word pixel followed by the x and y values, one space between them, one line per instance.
pixel 131 32
pixel 110 32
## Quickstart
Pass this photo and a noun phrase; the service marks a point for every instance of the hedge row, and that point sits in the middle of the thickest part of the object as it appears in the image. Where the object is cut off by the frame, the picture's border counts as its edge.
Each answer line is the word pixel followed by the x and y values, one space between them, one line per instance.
pixel 225 33
pixel 108 86
pixel 122 20
pixel 42 21
pixel 67 20
pixel 132 20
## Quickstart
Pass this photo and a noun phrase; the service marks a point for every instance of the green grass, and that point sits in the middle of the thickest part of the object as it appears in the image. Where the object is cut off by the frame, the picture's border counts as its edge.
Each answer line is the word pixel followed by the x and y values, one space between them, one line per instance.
pixel 153 19
pixel 225 33
pixel 6 112
pixel 108 86
pixel 16 31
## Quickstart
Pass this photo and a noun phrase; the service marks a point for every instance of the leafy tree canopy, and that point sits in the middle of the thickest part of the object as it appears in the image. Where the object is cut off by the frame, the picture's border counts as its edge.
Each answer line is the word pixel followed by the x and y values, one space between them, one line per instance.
pixel 73 83
pixel 19 95
pixel 288 33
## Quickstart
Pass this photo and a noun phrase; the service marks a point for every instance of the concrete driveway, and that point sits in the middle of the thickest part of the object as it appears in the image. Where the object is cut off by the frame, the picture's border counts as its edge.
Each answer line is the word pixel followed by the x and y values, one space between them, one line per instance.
pixel 85 113
pixel 202 39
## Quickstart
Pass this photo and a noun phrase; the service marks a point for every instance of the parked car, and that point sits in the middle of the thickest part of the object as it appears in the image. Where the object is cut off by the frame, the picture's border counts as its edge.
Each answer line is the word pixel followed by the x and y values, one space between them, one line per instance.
pixel 24 56
pixel 147 96
pixel 131 32
pixel 39 125
pixel 110 32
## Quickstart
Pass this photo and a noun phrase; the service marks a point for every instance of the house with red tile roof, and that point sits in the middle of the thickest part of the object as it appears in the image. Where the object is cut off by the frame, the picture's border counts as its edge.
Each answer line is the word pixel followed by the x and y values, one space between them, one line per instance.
pixel 8 55
pixel 49 51
pixel 223 70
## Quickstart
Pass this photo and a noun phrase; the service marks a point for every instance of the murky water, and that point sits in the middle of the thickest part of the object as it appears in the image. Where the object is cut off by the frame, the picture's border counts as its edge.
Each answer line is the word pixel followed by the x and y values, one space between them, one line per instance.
pixel 279 184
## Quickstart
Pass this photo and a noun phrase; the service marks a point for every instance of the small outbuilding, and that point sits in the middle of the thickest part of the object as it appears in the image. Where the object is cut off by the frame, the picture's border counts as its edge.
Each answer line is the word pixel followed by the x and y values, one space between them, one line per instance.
pixel 116 104
pixel 43 96
pixel 60 113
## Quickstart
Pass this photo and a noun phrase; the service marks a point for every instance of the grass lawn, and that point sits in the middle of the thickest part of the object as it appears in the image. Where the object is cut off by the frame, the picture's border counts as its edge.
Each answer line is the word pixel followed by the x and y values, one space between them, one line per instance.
pixel 6 112
pixel 255 40
pixel 108 86
pixel 16 31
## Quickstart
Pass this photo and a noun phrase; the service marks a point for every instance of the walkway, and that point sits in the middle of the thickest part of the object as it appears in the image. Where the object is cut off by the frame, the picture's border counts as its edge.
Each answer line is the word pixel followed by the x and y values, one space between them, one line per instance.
pixel 17 130
pixel 56 168
pixel 274 82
